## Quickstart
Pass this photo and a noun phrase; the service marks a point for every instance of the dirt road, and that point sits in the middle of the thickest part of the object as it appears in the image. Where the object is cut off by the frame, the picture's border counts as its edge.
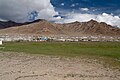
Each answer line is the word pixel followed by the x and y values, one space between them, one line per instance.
pixel 20 66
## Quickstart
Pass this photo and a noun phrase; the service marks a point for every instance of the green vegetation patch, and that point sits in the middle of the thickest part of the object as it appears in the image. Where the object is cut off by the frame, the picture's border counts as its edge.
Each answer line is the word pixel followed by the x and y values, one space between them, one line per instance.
pixel 107 49
pixel 72 49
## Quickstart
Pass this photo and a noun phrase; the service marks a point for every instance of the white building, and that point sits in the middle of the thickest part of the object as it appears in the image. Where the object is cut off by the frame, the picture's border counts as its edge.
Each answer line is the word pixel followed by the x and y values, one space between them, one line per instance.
pixel 1 42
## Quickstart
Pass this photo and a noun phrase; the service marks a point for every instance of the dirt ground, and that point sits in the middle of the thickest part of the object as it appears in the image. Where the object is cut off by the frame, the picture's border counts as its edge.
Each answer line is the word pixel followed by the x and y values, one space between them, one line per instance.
pixel 20 66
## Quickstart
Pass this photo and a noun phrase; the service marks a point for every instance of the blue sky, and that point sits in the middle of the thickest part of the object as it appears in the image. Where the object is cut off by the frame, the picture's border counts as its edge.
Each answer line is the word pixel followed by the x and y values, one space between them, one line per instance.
pixel 61 11
pixel 95 6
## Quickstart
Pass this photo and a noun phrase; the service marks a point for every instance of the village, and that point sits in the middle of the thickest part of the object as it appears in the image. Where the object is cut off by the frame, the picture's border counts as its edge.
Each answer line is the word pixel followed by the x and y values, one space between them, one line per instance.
pixel 29 38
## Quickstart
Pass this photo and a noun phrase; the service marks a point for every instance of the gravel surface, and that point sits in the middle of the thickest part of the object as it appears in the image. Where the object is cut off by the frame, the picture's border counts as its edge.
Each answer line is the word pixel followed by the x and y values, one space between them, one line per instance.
pixel 20 66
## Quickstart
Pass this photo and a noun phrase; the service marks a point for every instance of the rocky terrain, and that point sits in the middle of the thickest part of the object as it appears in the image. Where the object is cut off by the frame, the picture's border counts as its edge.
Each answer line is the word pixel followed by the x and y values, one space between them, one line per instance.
pixel 43 27
pixel 20 66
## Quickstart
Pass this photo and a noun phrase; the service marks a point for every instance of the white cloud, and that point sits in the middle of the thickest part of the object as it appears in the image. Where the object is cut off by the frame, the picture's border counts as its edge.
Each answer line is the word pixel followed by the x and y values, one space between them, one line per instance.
pixel 73 5
pixel 84 9
pixel 62 4
pixel 18 10
pixel 107 18
pixel 57 19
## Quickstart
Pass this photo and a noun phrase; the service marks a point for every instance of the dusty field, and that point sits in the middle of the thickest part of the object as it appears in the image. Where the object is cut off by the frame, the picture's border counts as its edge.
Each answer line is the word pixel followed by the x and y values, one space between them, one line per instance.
pixel 19 66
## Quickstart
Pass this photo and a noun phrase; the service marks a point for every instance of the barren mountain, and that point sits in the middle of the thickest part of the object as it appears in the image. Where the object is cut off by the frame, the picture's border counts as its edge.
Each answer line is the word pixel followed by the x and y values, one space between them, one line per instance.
pixel 92 28
pixel 43 27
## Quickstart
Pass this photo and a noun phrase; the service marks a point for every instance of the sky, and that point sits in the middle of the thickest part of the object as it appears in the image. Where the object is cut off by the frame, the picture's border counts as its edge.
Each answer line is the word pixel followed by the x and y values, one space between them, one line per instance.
pixel 61 11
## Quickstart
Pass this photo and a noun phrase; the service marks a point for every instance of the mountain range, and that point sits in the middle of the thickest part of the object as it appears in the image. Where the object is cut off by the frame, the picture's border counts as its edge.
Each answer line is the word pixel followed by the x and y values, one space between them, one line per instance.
pixel 43 27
